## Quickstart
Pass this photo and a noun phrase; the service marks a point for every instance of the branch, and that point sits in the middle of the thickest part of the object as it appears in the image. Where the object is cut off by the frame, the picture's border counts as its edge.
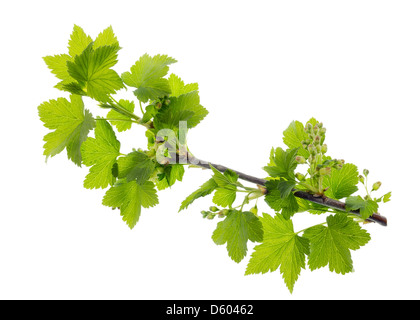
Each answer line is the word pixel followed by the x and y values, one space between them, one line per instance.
pixel 325 201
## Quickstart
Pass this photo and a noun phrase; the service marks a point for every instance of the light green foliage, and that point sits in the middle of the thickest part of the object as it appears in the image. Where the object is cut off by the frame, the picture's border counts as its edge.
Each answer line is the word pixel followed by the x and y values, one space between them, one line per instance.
pixel 71 124
pixel 185 107
pixel 281 248
pixel 135 166
pixel 331 244
pixel 100 153
pixel 207 188
pixel 227 184
pixel 178 87
pixel 92 71
pixel 277 200
pixel 284 164
pixel 343 182
pixel 235 230
pixel 130 197
pixel 367 207
pixel 147 76
pixel 302 177
pixel 123 122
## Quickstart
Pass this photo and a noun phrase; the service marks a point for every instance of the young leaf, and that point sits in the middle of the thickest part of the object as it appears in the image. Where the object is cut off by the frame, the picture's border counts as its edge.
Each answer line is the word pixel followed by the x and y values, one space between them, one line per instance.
pixel 92 70
pixel 135 166
pixel 331 244
pixel 225 196
pixel 171 173
pixel 78 42
pixel 130 197
pixel 287 205
pixel 207 188
pixel 101 153
pixel 237 228
pixel 228 178
pixel 281 247
pixel 147 76
pixel 367 207
pixel 293 137
pixel 123 122
pixel 343 182
pixel 178 87
pixel 183 108
pixel 105 38
pixel 284 164
pixel 71 124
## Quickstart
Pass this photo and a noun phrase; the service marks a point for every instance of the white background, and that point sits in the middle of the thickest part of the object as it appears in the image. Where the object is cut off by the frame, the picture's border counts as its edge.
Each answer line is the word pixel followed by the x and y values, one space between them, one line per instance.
pixel 354 65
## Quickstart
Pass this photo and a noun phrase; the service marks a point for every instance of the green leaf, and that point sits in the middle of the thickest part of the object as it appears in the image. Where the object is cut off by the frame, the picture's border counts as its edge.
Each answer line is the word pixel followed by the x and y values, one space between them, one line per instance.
pixel 293 137
pixel 124 122
pixel 135 166
pixel 78 42
pixel 147 76
pixel 91 69
pixel 101 153
pixel 343 182
pixel 58 66
pixel 288 205
pixel 130 197
pixel 178 87
pixel 284 164
pixel 171 173
pixel 367 207
pixel 281 247
pixel 235 230
pixel 227 178
pixel 71 124
pixel 106 38
pixel 183 108
pixel 387 197
pixel 225 196
pixel 331 244
pixel 207 188
pixel 285 187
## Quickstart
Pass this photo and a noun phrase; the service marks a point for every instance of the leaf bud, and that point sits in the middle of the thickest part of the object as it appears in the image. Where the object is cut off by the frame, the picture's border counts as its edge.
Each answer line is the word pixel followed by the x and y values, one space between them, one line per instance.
pixel 300 159
pixel 376 186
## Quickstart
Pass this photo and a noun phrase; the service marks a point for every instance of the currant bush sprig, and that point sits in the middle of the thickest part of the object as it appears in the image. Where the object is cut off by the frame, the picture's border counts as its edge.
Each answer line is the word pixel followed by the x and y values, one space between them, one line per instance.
pixel 301 178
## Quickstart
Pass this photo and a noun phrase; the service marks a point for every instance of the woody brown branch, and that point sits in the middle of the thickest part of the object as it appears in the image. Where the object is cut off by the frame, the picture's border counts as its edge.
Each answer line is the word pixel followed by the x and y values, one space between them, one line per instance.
pixel 325 201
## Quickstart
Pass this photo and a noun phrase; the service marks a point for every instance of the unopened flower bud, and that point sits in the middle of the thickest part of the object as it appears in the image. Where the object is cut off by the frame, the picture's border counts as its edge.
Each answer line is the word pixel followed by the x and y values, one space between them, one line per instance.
pixel 324 148
pixel 376 186
pixel 158 105
pixel 299 176
pixel 325 171
pixel 361 179
pixel 366 172
pixel 322 131
pixel 214 209
pixel 300 159
pixel 308 127
pixel 223 213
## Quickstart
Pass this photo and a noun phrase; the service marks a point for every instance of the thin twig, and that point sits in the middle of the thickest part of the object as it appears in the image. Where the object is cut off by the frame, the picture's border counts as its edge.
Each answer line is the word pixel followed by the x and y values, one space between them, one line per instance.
pixel 325 201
